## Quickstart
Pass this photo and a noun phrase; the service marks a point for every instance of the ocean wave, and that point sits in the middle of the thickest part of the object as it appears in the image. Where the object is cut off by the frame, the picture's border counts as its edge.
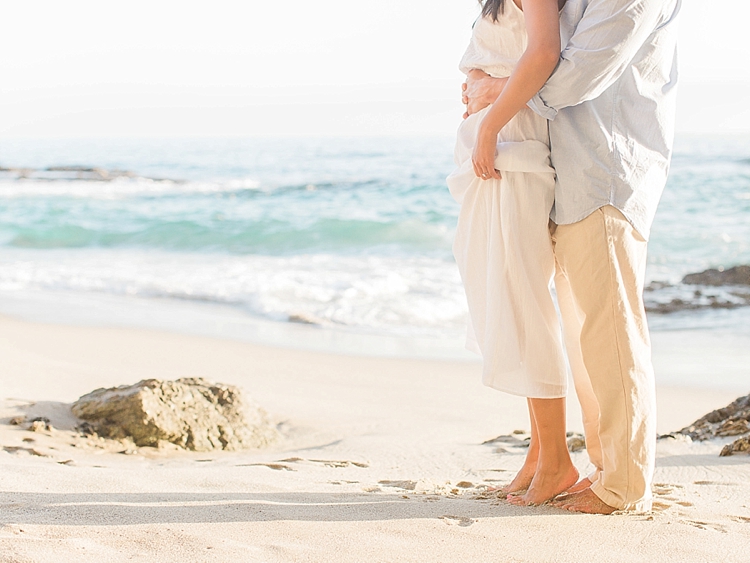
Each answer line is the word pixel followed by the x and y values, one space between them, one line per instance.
pixel 219 233
pixel 348 232
pixel 412 296
pixel 398 295
pixel 118 188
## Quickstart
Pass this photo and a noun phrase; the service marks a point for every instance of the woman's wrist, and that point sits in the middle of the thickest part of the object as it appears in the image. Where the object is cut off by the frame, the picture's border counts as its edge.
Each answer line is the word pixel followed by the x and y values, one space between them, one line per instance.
pixel 486 133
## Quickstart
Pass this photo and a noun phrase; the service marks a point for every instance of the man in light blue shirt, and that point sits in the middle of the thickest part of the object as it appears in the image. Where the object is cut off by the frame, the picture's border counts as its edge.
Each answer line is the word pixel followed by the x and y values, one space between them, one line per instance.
pixel 611 106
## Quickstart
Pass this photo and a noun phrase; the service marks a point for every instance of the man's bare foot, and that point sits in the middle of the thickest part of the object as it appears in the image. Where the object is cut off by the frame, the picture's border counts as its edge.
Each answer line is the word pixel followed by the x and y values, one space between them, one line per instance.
pixel 583 484
pixel 546 486
pixel 583 501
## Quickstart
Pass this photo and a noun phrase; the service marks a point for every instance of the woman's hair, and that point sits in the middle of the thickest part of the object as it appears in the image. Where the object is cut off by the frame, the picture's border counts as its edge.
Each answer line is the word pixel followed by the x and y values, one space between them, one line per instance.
pixel 492 8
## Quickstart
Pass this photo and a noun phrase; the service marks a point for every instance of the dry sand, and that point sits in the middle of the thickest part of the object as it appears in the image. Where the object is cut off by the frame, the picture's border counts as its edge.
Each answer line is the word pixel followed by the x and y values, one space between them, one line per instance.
pixel 382 461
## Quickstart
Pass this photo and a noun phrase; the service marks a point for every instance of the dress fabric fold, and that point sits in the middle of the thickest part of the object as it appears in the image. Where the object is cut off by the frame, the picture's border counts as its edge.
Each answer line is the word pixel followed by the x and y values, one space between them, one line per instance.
pixel 502 245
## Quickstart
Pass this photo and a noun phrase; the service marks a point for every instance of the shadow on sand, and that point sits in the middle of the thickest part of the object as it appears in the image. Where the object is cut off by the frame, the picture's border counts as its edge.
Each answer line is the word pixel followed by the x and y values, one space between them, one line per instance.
pixel 118 509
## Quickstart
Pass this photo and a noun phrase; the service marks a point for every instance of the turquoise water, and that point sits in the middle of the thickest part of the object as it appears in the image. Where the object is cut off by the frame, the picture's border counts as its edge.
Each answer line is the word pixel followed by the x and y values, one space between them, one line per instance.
pixel 240 197
pixel 344 232
pixel 704 217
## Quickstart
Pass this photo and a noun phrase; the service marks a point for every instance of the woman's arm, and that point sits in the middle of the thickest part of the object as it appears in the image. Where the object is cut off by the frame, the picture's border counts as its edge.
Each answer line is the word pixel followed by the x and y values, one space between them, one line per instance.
pixel 532 71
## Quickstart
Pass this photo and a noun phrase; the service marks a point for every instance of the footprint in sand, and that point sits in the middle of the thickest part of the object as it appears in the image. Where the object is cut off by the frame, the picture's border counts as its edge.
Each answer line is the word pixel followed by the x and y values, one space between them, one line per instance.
pixel 705 525
pixel 664 492
pixel 274 466
pixel 19 449
pixel 335 463
pixel 662 489
pixel 457 520
pixel 327 462
pixel 282 465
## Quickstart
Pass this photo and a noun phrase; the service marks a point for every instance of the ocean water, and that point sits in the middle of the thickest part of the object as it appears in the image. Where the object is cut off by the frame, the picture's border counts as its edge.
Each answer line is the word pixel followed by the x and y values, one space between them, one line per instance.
pixel 353 234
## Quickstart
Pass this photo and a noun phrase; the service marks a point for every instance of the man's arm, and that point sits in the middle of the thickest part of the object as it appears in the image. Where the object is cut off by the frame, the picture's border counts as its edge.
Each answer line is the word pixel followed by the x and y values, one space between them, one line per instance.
pixel 604 43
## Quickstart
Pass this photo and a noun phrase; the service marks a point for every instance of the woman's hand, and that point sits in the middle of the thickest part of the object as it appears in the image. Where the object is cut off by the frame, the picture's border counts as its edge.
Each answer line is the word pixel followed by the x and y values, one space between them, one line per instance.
pixel 483 158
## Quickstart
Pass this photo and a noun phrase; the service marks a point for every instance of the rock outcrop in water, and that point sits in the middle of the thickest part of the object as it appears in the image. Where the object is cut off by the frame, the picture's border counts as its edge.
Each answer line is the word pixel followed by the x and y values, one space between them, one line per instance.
pixel 710 289
pixel 193 413
pixel 739 275
pixel 732 420
pixel 60 173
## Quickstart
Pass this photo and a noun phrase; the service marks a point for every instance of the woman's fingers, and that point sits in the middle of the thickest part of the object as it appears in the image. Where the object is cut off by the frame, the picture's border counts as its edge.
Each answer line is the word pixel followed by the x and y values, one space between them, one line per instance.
pixel 480 169
pixel 486 173
pixel 484 170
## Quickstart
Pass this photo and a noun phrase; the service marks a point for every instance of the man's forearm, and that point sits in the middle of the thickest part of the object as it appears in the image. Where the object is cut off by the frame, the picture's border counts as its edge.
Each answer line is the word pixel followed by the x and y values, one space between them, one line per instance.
pixel 603 45
pixel 480 90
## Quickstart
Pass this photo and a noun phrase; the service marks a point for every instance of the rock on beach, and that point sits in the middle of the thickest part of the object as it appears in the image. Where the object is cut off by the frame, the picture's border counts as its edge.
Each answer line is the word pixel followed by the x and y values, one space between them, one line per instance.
pixel 732 420
pixel 193 413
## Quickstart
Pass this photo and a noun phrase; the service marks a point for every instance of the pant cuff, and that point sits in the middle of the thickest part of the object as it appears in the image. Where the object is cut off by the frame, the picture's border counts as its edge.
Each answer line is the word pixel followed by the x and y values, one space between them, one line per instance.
pixel 641 505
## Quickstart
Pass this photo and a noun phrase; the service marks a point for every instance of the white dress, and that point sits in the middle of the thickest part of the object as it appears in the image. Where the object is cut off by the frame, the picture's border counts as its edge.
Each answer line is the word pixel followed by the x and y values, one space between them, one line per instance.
pixel 502 245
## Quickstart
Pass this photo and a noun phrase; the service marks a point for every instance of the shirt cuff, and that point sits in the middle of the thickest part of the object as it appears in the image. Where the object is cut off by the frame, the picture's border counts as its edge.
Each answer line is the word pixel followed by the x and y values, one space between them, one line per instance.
pixel 538 106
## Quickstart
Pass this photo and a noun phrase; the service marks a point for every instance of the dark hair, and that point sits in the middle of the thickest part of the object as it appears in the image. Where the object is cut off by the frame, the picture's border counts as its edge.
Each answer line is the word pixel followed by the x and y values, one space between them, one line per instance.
pixel 492 8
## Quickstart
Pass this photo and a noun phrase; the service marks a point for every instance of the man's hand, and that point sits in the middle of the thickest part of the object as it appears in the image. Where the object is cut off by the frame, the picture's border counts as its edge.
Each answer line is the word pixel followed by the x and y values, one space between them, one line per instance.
pixel 480 90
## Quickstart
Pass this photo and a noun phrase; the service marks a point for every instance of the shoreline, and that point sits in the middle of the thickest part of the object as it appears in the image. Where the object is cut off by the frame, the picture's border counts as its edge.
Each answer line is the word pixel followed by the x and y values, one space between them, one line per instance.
pixel 76 359
pixel 222 321
pixel 709 352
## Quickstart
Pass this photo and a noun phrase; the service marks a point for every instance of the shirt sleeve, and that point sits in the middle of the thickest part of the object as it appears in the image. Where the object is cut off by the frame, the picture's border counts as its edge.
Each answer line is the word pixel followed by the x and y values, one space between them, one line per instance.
pixel 607 38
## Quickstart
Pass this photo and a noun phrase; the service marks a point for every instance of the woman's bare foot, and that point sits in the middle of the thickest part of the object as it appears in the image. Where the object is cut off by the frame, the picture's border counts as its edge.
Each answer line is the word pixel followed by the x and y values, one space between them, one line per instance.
pixel 522 481
pixel 546 485
pixel 583 501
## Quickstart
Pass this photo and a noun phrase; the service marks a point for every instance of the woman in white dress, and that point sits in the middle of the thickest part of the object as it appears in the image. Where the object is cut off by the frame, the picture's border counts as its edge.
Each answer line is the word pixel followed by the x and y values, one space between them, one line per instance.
pixel 505 185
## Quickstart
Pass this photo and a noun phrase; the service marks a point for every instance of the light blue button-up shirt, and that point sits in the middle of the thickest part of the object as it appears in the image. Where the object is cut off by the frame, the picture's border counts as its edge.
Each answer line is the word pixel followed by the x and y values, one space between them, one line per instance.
pixel 611 106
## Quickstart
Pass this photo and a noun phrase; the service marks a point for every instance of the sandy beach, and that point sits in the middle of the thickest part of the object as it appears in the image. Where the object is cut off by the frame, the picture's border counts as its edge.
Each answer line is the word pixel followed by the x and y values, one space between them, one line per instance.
pixel 244 207
pixel 381 460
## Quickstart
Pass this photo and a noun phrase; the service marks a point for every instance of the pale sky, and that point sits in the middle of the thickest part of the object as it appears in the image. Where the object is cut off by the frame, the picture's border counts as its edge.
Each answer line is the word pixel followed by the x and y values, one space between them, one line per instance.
pixel 256 67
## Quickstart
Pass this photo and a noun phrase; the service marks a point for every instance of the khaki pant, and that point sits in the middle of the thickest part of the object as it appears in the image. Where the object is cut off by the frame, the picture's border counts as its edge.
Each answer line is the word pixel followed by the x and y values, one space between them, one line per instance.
pixel 600 269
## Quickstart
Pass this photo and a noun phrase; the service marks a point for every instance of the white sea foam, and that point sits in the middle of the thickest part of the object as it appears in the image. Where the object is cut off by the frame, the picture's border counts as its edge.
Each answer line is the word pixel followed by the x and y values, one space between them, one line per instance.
pixel 349 233
pixel 119 188
pixel 397 295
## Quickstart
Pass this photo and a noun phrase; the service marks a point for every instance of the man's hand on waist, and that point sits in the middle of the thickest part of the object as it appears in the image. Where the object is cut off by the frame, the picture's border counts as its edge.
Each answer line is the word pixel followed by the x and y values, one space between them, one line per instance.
pixel 480 90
